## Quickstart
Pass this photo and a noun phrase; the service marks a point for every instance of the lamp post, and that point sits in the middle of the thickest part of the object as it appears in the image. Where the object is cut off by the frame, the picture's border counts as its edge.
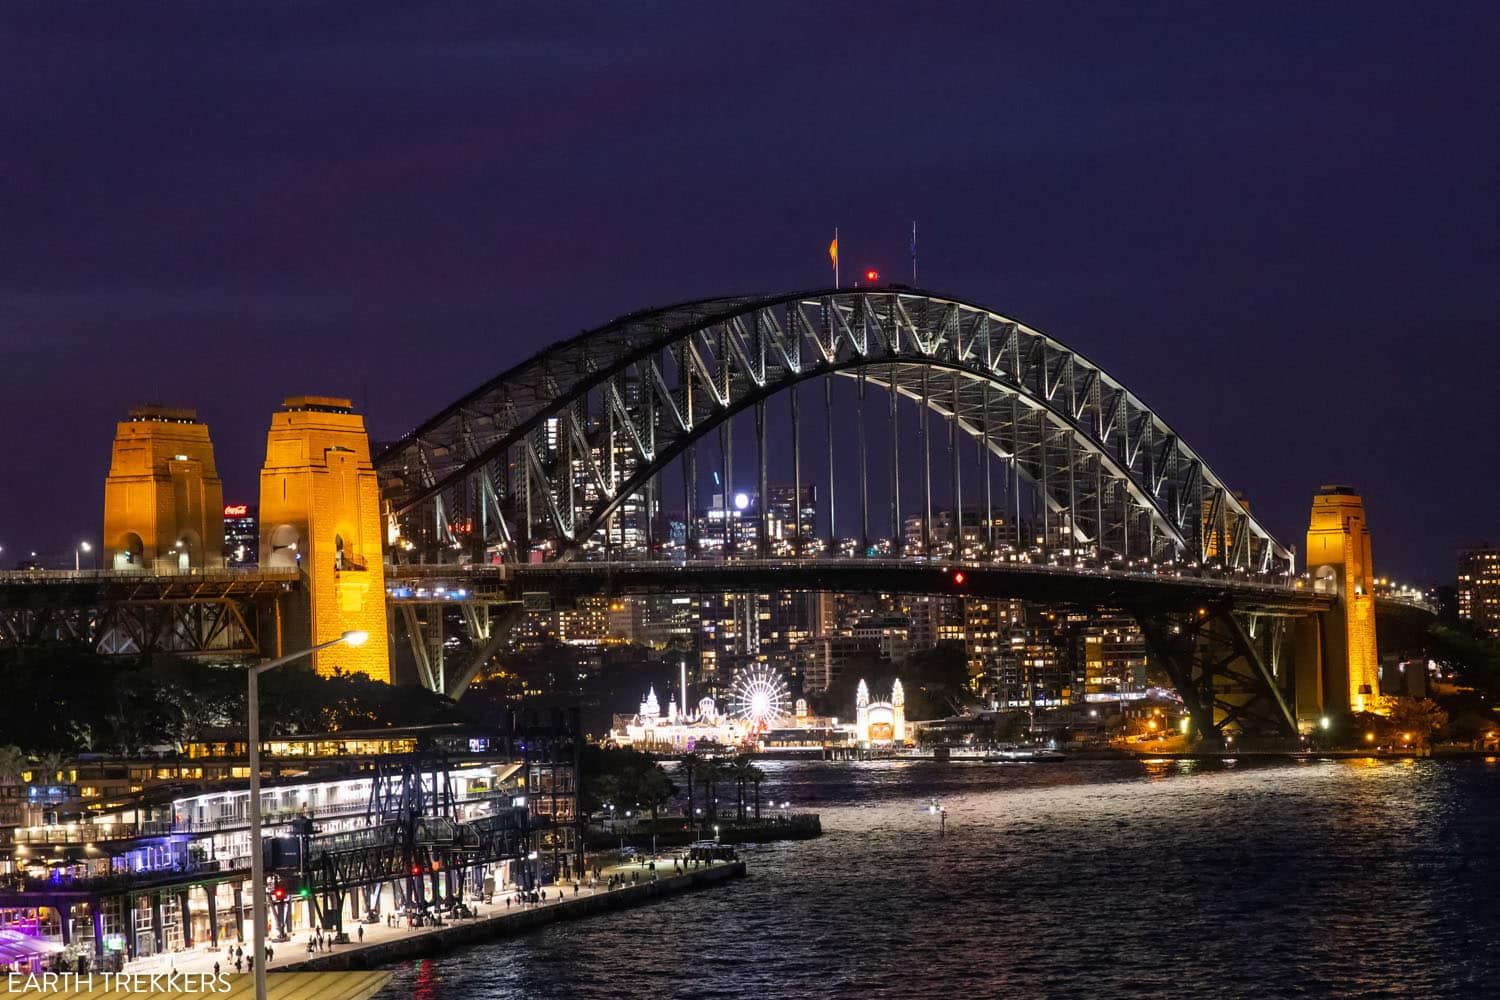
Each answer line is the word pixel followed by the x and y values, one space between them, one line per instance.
pixel 252 738
pixel 80 547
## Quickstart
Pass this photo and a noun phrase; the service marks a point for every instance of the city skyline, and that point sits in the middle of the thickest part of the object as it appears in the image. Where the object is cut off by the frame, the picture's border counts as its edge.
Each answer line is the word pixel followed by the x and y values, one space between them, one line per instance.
pixel 1282 241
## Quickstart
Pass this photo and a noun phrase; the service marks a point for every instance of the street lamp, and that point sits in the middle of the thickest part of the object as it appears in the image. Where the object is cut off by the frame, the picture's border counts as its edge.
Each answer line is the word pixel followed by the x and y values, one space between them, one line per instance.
pixel 81 547
pixel 252 737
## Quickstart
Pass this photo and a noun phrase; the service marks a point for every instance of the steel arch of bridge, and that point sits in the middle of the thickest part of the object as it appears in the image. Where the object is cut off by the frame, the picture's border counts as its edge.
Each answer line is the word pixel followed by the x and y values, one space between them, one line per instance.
pixel 560 441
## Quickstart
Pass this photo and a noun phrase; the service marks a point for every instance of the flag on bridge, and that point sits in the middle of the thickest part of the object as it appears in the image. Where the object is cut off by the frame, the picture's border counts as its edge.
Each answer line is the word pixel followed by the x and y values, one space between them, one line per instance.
pixel 833 255
pixel 914 252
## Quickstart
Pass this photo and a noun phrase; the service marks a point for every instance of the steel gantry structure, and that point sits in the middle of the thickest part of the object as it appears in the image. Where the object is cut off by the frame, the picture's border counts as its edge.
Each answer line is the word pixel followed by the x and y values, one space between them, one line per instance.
pixel 544 457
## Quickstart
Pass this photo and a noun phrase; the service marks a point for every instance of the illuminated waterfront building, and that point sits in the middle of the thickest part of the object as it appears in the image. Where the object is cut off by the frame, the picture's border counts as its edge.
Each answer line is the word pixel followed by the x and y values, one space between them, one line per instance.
pixel 163 865
pixel 1479 588
pixel 880 723
pixel 163 500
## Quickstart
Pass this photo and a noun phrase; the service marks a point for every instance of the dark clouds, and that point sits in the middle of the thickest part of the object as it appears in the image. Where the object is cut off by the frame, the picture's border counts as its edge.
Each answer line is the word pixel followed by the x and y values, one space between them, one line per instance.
pixel 1275 222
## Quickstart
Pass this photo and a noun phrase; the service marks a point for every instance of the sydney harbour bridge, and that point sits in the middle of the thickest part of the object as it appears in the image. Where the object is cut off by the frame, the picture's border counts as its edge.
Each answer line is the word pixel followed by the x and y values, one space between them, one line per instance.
pixel 951 450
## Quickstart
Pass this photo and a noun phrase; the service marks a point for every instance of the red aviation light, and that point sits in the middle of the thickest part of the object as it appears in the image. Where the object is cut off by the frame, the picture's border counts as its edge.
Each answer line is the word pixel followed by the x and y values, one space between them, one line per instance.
pixel 959 578
pixel 872 276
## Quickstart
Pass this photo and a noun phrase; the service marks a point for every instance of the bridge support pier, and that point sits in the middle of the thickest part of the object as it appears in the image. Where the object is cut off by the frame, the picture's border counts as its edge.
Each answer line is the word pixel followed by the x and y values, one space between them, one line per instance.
pixel 1225 676
pixel 486 626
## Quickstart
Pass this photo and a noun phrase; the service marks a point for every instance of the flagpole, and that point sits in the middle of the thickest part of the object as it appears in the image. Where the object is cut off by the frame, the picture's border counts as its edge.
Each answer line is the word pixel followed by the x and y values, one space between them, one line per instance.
pixel 914 254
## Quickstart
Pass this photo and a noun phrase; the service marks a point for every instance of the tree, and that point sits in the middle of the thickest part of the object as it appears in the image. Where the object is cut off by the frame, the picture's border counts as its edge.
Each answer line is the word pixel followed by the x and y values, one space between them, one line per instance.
pixel 756 777
pixel 1416 719
pixel 740 768
pixel 653 791
pixel 49 767
pixel 713 773
pixel 12 764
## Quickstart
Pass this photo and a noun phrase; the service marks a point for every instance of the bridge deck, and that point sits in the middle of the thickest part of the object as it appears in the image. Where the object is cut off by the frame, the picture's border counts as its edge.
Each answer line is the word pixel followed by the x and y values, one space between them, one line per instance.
pixel 66 588
pixel 1062 585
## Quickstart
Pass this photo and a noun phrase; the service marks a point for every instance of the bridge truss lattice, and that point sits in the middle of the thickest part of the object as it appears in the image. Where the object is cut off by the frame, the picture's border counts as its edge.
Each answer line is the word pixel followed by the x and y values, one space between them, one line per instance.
pixel 550 456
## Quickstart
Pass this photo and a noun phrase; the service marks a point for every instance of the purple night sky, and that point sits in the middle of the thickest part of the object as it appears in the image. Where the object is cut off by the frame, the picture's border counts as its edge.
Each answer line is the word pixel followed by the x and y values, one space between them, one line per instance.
pixel 1276 223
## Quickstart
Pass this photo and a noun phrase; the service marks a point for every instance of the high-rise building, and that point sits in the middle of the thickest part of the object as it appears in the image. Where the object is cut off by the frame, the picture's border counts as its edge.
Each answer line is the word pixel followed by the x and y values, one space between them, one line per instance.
pixel 587 622
pixel 1031 670
pixel 1479 588
pixel 987 623
pixel 890 633
pixel 736 630
pixel 1109 657
pixel 241 534
pixel 832 656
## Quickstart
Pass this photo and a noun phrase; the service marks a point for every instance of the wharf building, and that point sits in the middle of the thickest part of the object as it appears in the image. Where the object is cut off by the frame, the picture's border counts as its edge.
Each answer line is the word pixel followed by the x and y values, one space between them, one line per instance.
pixel 356 825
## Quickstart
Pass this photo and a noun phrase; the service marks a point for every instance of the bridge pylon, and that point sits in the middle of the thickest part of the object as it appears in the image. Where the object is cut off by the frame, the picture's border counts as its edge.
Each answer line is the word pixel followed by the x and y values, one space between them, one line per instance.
pixel 1342 640
pixel 163 499
pixel 320 513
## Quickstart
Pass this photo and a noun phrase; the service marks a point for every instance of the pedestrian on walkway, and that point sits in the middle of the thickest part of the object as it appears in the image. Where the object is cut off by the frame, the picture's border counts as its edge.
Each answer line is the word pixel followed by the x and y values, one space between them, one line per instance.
pixel 361 933
pixel 216 970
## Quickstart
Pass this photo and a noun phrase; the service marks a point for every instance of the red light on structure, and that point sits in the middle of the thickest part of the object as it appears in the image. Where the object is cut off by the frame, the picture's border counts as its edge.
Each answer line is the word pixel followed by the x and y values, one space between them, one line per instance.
pixel 959 578
pixel 236 509
pixel 872 275
pixel 416 869
pixel 279 894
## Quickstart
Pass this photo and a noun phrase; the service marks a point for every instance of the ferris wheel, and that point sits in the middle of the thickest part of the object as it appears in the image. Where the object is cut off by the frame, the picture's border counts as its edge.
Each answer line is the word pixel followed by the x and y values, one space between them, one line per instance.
pixel 759 696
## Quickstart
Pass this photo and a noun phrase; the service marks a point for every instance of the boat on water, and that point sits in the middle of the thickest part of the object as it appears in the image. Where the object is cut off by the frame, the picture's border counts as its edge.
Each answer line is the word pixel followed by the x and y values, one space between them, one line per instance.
pixel 984 755
pixel 1024 755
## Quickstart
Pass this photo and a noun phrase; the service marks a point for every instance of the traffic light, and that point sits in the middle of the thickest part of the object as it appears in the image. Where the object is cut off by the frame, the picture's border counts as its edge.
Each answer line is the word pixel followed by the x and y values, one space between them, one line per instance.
pixel 416 869
pixel 278 894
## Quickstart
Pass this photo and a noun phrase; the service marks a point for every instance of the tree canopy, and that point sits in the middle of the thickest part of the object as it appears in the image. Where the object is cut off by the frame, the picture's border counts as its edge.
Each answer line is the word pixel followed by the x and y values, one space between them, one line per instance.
pixel 66 698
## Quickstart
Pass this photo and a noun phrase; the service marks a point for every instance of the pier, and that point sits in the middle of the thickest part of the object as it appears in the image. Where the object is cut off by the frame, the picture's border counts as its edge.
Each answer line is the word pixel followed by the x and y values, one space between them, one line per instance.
pixel 382 945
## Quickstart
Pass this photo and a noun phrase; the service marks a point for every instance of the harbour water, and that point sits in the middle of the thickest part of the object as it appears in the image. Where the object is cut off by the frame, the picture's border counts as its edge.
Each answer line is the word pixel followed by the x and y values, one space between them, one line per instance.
pixel 1090 879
